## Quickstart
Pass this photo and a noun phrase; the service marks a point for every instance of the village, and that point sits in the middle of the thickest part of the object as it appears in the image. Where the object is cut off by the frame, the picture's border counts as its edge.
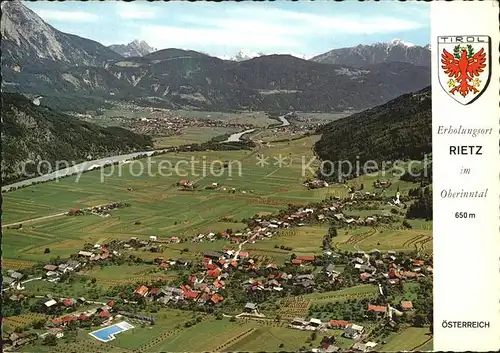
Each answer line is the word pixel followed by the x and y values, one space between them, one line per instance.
pixel 166 124
pixel 205 281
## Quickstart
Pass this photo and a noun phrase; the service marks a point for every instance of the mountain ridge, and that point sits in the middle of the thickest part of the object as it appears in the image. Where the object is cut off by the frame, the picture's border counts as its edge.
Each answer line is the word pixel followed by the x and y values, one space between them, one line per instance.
pixel 29 42
pixel 134 48
pixel 362 55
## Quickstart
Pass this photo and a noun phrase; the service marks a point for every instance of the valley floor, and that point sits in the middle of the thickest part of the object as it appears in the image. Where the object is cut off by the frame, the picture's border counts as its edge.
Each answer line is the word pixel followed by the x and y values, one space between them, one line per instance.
pixel 256 185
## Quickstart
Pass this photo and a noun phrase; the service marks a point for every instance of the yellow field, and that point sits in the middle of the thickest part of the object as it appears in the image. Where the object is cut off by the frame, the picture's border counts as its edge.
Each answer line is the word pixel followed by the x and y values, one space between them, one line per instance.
pixel 23 320
pixel 384 238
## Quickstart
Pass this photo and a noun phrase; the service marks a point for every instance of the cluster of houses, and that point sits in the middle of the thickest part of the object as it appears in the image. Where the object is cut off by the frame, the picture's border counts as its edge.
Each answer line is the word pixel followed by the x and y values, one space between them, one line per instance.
pixel 260 229
pixel 102 210
pixel 12 280
pixel 201 292
pixel 327 212
pixel 166 264
pixel 381 184
pixel 185 184
pixel 360 221
pixel 164 123
pixel 50 303
pixel 354 331
pixel 315 184
pixel 104 315
pixel 16 340
pixel 350 330
pixel 372 267
pixel 99 254
pixel 53 272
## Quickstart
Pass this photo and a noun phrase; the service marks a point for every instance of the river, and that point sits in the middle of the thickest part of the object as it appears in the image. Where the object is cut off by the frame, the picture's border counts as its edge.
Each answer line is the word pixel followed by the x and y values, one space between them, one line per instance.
pixel 284 121
pixel 237 136
pixel 77 168
pixel 89 165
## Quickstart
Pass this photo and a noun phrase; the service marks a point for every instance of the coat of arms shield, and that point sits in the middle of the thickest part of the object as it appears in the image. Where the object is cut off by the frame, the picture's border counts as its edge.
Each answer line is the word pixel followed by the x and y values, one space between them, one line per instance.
pixel 464 66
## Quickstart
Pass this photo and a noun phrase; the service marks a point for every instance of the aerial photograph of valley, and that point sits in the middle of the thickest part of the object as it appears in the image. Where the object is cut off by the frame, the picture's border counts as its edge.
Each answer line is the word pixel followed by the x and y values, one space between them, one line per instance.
pixel 216 177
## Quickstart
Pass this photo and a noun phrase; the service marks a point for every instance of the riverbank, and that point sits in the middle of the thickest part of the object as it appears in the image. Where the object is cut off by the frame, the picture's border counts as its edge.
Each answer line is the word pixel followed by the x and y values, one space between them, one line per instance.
pixel 78 168
pixel 99 163
pixel 237 136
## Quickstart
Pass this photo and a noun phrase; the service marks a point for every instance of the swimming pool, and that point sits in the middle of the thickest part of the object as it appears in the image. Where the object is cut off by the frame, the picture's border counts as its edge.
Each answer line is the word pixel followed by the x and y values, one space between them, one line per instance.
pixel 107 334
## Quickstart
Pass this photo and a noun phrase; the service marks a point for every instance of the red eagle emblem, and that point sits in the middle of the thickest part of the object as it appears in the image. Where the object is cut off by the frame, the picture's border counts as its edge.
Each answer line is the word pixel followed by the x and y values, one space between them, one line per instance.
pixel 462 67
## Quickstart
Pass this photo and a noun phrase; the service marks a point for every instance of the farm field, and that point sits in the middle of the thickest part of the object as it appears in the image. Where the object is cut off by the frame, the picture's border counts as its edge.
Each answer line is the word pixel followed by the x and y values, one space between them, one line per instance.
pixel 166 320
pixel 271 339
pixel 356 292
pixel 14 322
pixel 156 203
pixel 118 275
pixel 307 240
pixel 411 339
pixel 384 238
pixel 75 289
pixel 254 184
pixel 303 241
pixel 205 336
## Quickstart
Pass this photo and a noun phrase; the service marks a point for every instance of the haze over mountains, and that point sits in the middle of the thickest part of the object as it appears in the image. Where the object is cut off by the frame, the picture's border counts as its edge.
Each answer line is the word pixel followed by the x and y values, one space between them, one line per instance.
pixel 39 59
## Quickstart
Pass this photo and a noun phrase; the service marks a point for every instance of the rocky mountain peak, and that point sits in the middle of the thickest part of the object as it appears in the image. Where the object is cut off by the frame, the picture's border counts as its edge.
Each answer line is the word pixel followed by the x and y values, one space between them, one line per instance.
pixel 134 48
pixel 28 40
pixel 400 42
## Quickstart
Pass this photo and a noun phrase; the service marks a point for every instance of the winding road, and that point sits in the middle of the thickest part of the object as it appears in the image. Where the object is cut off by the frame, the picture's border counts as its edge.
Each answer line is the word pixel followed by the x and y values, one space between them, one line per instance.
pixel 34 220
pixel 45 217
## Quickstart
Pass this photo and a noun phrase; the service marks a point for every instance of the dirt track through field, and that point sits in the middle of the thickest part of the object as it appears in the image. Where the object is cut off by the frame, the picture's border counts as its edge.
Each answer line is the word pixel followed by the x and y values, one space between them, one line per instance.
pixel 44 217
pixel 34 219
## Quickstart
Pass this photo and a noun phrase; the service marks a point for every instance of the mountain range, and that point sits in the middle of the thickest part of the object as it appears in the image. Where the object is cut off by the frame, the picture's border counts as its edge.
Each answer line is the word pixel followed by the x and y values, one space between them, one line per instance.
pixel 362 55
pixel 39 59
pixel 134 48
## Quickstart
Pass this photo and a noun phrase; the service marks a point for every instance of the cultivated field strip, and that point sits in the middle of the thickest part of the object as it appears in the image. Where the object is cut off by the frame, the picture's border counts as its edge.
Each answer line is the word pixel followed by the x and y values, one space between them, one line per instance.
pixel 88 346
pixel 294 307
pixel 23 320
pixel 158 339
pixel 14 264
pixel 360 237
pixel 234 340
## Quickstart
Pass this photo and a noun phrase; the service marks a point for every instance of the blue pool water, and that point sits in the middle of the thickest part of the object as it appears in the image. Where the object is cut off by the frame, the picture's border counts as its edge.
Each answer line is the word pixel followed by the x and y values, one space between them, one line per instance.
pixel 107 333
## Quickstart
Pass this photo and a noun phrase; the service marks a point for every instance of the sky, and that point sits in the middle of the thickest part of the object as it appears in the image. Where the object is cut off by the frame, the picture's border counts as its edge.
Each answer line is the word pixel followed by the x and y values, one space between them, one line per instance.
pixel 303 29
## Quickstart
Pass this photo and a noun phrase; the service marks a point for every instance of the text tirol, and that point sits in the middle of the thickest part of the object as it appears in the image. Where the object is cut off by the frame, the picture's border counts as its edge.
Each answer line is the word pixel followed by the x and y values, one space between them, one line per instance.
pixel 466 150
pixel 463 39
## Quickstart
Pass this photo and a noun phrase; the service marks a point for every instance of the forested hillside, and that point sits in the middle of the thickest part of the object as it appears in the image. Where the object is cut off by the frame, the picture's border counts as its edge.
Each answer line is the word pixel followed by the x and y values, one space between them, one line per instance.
pixel 398 130
pixel 36 133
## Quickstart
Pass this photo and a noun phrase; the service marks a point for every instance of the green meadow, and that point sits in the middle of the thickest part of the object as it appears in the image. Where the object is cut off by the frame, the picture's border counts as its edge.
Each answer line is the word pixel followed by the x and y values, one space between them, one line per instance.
pixel 254 183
